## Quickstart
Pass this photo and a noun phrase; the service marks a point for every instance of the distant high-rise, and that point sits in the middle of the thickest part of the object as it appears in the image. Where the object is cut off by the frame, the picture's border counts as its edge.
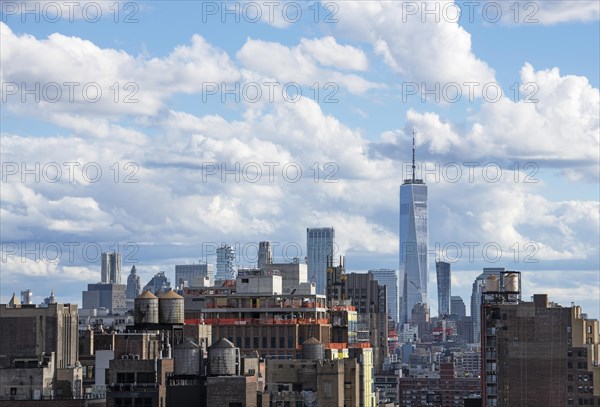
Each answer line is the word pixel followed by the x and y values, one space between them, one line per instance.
pixel 225 259
pixel 319 247
pixel 110 268
pixel 26 297
pixel 133 285
pixel 457 306
pixel 413 243
pixel 158 283
pixel 389 278
pixel 265 254
pixel 185 273
pixel 110 296
pixel 478 288
pixel 442 270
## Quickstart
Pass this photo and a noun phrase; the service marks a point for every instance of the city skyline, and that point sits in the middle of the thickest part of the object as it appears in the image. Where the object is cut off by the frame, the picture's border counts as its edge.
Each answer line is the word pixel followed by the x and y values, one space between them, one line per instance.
pixel 166 165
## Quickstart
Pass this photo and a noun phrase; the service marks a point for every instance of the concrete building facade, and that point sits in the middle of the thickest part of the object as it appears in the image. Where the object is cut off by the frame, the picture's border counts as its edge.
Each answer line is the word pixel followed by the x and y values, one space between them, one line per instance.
pixel 27 331
pixel 539 354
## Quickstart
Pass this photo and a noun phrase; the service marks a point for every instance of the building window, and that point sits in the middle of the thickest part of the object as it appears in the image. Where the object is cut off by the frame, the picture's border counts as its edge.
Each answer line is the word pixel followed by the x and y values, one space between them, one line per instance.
pixel 127 377
pixel 264 342
pixel 146 377
pixel 256 342
pixel 282 342
pixel 273 343
pixel 245 280
pixel 327 389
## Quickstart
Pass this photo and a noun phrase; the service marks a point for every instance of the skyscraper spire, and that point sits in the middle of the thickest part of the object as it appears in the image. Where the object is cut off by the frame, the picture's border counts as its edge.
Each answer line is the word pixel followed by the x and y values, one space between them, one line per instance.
pixel 413 159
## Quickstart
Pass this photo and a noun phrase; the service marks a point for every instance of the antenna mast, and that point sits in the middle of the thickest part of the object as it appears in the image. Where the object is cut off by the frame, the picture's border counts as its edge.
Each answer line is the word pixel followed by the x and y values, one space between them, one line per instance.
pixel 413 159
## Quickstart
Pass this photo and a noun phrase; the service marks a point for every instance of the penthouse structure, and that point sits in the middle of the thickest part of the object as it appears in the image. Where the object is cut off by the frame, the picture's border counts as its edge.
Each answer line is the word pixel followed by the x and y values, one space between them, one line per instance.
pixel 255 313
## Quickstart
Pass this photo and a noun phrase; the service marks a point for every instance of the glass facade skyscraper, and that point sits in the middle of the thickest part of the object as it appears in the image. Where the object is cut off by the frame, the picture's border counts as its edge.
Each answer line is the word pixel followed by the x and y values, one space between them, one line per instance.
pixel 319 246
pixel 442 270
pixel 413 244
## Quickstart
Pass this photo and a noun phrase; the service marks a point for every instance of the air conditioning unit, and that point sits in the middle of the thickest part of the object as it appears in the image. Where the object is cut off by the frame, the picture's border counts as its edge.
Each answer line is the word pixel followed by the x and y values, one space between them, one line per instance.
pixel 135 357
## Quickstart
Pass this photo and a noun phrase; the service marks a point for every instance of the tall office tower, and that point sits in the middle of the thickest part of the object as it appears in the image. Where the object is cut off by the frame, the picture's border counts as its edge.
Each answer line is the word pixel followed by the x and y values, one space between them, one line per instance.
pixel 457 306
pixel 225 259
pixel 389 278
pixel 413 243
pixel 442 270
pixel 265 254
pixel 185 273
pixel 111 268
pixel 133 285
pixel 478 288
pixel 319 247
pixel 26 297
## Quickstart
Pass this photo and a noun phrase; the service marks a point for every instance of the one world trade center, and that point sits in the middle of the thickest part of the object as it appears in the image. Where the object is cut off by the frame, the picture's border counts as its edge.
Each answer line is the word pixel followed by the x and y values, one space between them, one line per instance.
pixel 413 243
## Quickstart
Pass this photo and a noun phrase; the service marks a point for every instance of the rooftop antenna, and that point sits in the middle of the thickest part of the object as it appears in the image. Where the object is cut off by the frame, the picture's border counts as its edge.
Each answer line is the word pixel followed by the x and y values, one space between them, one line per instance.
pixel 413 159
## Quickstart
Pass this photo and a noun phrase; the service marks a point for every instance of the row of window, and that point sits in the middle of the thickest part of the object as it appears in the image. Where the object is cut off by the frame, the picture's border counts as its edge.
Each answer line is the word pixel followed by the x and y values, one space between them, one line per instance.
pixel 130 402
pixel 139 377
pixel 264 343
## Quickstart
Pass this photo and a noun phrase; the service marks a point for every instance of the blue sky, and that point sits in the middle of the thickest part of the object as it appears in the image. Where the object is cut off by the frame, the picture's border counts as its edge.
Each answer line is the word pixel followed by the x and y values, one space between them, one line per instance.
pixel 372 63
